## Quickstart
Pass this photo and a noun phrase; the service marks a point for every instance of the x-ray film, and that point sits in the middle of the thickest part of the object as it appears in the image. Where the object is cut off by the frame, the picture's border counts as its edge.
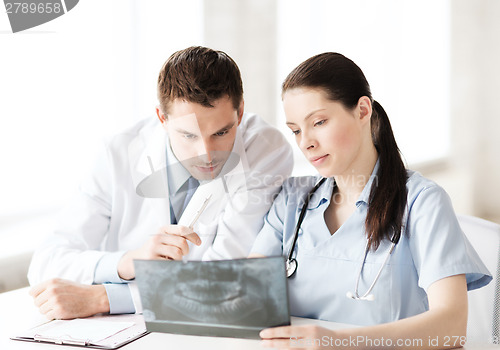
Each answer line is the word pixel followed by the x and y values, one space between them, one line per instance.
pixel 228 298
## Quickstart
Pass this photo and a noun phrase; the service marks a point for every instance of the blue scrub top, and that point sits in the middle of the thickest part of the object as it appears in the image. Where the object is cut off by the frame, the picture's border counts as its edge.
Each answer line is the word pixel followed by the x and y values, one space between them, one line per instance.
pixel 432 247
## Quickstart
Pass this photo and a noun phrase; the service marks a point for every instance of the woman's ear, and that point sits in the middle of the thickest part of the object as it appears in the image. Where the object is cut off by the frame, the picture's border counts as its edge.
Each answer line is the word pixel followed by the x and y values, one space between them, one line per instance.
pixel 365 108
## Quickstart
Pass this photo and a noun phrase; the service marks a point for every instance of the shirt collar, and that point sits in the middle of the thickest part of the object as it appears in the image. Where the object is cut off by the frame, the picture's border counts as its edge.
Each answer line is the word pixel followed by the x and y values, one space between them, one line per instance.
pixel 324 193
pixel 177 175
pixel 365 194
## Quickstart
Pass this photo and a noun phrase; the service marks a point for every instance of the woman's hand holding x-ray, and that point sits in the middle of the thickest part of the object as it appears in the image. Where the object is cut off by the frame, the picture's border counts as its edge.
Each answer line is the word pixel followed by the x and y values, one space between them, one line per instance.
pixel 170 242
pixel 298 337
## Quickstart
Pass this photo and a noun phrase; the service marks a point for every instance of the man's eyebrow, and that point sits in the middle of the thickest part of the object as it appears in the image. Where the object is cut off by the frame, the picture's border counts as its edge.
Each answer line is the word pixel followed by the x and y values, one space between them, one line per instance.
pixel 308 115
pixel 182 131
pixel 224 128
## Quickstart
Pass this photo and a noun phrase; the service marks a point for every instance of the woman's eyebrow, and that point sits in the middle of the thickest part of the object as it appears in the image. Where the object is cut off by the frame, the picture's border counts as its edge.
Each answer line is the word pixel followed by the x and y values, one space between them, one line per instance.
pixel 308 115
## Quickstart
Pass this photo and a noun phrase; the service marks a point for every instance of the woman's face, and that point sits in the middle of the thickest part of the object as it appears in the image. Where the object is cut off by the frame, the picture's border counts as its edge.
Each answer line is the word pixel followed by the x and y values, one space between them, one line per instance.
pixel 330 136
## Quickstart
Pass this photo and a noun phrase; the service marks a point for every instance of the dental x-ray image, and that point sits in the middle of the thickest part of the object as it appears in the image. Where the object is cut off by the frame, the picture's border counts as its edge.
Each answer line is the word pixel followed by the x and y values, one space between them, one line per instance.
pixel 230 298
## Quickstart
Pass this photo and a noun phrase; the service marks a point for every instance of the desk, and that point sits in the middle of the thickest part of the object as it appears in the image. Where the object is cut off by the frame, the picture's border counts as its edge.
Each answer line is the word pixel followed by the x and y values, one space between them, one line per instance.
pixel 17 313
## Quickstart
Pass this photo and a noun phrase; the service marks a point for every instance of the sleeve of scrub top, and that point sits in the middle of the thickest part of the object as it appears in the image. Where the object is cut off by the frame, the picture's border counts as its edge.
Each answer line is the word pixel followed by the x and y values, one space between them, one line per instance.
pixel 438 245
pixel 74 249
pixel 269 241
pixel 270 162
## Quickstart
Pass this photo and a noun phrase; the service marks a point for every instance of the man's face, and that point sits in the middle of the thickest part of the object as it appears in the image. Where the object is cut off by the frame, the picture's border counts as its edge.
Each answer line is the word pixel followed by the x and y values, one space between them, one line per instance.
pixel 201 137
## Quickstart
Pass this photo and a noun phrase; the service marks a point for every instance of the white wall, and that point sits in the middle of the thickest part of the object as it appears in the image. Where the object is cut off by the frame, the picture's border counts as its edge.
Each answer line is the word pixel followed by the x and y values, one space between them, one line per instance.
pixel 473 178
pixel 55 103
pixel 63 87
pixel 246 31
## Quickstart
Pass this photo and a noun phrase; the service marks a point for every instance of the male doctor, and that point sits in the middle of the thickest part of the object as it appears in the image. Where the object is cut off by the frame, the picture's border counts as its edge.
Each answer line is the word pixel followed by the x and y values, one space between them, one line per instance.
pixel 149 183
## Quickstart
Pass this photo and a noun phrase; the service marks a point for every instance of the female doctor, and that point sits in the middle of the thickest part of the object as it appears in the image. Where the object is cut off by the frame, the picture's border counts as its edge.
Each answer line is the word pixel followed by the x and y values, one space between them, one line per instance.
pixel 377 245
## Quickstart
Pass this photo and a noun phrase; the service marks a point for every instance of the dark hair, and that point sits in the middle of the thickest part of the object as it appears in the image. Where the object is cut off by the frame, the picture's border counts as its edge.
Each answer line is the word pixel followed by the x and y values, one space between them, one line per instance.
pixel 200 75
pixel 343 81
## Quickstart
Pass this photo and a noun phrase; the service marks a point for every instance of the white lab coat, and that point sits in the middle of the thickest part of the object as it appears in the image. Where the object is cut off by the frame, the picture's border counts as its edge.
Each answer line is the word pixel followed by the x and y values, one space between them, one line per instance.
pixel 114 210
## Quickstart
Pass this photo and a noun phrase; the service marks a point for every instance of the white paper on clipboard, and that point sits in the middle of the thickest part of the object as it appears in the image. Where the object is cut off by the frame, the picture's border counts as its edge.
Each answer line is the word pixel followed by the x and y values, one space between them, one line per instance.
pixel 102 332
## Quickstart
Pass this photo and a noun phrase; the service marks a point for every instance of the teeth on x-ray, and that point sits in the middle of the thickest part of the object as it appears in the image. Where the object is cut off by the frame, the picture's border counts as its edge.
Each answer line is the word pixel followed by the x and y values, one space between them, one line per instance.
pixel 209 292
pixel 212 294
pixel 227 311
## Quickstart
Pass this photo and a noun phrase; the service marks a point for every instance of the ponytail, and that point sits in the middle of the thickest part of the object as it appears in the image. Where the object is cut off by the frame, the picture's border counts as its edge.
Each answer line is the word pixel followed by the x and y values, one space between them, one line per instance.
pixel 388 194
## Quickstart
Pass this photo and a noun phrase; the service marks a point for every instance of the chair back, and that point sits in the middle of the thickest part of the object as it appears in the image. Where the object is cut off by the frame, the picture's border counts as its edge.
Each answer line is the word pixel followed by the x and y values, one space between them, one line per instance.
pixel 484 303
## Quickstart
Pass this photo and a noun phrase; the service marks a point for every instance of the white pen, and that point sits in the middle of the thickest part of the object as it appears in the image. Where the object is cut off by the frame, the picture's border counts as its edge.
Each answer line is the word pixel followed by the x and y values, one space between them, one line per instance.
pixel 200 211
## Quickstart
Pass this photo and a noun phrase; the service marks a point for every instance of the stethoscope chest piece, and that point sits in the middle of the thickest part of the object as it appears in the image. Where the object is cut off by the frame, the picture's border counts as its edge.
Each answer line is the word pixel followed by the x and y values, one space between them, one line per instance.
pixel 291 267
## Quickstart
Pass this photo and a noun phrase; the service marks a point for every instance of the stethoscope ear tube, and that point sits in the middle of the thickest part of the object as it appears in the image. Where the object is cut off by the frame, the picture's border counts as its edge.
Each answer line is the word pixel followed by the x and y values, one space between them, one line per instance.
pixel 291 264
pixel 368 296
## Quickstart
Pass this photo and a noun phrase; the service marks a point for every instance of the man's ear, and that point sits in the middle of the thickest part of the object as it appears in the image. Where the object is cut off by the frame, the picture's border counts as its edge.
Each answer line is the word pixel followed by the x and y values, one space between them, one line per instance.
pixel 241 108
pixel 161 115
pixel 365 108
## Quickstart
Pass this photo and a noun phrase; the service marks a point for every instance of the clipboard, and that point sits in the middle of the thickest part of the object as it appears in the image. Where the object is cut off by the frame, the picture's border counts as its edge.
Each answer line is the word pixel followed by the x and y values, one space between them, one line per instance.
pixel 123 329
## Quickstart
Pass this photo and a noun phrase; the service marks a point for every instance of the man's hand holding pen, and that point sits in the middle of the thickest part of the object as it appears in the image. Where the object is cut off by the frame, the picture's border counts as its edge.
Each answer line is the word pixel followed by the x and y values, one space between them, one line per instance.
pixel 170 242
pixel 56 298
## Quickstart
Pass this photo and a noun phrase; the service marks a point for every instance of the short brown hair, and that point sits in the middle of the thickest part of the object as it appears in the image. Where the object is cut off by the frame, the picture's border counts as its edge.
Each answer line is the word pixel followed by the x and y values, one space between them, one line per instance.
pixel 200 75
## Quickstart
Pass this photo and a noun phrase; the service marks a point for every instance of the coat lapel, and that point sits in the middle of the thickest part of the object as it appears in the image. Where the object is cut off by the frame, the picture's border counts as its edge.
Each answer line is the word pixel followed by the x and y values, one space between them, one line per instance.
pixel 147 157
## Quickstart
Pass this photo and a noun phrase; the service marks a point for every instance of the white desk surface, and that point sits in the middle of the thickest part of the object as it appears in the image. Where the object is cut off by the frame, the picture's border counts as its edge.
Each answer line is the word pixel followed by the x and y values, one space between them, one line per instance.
pixel 17 313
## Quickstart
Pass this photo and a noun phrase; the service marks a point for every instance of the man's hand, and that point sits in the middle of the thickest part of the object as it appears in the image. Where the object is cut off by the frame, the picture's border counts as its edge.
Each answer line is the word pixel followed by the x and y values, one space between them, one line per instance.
pixel 169 243
pixel 61 299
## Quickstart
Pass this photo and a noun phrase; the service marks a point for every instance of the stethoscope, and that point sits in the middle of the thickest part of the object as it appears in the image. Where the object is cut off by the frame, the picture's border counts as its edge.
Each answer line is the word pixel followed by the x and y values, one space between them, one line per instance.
pixel 291 263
